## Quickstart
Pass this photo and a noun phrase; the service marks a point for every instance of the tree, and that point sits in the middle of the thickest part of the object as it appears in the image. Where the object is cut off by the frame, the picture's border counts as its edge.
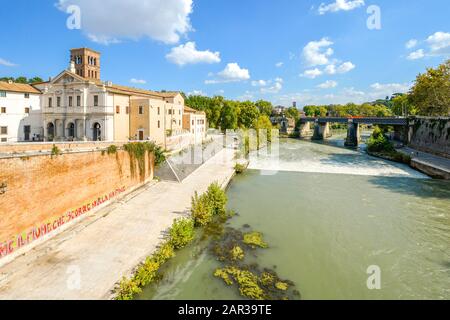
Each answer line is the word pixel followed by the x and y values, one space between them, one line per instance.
pixel 401 106
pixel 229 116
pixel 35 79
pixel 310 111
pixel 21 80
pixel 293 112
pixel 248 114
pixel 264 123
pixel 265 107
pixel 431 91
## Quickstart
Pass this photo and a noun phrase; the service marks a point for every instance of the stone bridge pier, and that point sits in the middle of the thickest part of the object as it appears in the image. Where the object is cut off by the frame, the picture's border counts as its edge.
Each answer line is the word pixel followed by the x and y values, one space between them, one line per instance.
pixel 305 129
pixel 321 130
pixel 353 135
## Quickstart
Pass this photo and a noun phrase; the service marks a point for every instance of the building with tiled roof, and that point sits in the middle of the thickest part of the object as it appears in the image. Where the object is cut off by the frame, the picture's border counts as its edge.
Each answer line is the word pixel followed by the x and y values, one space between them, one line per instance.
pixel 78 105
pixel 20 113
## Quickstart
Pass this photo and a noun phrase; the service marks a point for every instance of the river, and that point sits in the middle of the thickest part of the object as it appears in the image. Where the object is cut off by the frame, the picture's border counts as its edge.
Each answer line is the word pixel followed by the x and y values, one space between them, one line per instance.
pixel 328 214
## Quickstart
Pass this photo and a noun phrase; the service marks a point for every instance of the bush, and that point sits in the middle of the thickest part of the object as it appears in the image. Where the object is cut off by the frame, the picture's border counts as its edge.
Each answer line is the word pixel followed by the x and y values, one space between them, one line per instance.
pixel 217 199
pixel 239 168
pixel 202 212
pixel 128 288
pixel 182 233
pixel 378 142
pixel 145 274
pixel 55 151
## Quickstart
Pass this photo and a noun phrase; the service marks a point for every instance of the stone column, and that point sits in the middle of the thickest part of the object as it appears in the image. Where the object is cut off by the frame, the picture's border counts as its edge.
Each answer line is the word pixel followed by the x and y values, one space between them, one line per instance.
pixel 321 131
pixel 305 129
pixel 353 134
pixel 63 129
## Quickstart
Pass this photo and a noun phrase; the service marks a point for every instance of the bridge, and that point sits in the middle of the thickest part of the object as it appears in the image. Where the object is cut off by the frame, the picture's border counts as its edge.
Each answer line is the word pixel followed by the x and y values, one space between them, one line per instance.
pixel 322 127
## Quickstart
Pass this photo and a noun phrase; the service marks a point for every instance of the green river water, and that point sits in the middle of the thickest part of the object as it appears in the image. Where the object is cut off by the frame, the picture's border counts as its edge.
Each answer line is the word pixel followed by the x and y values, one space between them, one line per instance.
pixel 328 213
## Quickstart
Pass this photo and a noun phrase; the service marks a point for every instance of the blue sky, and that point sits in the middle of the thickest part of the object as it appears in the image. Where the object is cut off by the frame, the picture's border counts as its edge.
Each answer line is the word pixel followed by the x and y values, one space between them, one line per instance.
pixel 280 50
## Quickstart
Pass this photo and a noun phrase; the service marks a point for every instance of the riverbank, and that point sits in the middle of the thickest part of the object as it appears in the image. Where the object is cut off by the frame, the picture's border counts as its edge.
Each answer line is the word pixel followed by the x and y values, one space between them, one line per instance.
pixel 432 165
pixel 86 261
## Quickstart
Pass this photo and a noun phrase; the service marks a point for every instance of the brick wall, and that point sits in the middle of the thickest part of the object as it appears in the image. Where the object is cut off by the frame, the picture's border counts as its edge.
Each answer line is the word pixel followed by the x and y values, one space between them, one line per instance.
pixel 44 193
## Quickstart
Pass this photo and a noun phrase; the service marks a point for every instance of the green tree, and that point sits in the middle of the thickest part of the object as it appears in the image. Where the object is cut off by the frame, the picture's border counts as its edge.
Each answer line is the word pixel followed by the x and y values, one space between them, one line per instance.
pixel 21 80
pixel 264 123
pixel 431 91
pixel 293 112
pixel 265 107
pixel 35 79
pixel 229 116
pixel 401 106
pixel 248 114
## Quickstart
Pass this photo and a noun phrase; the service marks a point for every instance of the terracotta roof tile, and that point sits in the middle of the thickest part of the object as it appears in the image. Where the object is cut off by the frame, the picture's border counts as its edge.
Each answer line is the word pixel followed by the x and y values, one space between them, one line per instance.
pixel 18 87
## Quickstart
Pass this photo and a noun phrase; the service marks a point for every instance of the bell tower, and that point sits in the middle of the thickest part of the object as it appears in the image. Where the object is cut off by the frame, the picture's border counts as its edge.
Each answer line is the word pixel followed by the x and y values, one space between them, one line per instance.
pixel 87 63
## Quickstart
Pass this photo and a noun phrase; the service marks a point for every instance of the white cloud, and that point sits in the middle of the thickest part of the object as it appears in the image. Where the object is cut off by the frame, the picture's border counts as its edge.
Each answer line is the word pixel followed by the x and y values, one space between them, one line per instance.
pixel 277 87
pixel 346 95
pixel 346 67
pixel 188 54
pixel 411 44
pixel 138 81
pixel 388 89
pixel 439 43
pixel 232 73
pixel 419 54
pixel 312 74
pixel 161 20
pixel 330 69
pixel 328 84
pixel 340 5
pixel 197 93
pixel 343 68
pixel 317 53
pixel 6 63
pixel 259 83
pixel 279 64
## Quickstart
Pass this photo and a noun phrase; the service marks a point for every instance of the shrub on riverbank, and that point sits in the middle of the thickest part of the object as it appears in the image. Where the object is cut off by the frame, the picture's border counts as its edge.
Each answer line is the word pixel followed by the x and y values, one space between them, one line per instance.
pixel 379 145
pixel 378 142
pixel 239 168
pixel 204 208
pixel 210 204
pixel 145 273
pixel 182 233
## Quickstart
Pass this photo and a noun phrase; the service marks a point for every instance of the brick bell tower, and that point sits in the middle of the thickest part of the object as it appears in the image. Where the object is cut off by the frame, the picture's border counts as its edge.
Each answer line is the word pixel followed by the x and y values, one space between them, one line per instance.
pixel 87 62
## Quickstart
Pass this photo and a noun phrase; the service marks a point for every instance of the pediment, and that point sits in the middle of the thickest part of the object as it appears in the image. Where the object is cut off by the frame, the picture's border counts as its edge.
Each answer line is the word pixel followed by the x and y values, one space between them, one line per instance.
pixel 67 77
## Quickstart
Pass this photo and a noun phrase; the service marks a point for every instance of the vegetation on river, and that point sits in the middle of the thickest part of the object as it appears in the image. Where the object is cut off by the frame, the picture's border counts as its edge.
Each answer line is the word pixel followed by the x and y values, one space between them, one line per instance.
pixel 379 145
pixel 181 234
pixel 234 248
pixel 237 251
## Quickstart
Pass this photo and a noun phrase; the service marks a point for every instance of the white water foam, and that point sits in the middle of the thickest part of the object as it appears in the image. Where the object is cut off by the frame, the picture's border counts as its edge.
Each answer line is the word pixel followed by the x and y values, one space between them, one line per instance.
pixel 299 156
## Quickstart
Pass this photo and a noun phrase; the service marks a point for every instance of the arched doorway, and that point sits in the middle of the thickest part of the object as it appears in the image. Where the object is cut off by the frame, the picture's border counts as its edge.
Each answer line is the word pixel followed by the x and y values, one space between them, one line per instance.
pixel 71 130
pixel 97 132
pixel 50 131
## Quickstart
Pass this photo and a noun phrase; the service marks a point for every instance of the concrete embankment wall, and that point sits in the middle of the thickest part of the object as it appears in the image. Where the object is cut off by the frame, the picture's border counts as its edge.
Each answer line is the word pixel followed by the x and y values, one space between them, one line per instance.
pixel 432 136
pixel 42 194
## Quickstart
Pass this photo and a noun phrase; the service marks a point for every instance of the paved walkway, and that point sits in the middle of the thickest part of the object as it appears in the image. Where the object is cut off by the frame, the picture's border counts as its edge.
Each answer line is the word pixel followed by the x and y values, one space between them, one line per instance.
pixel 85 261
pixel 428 159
